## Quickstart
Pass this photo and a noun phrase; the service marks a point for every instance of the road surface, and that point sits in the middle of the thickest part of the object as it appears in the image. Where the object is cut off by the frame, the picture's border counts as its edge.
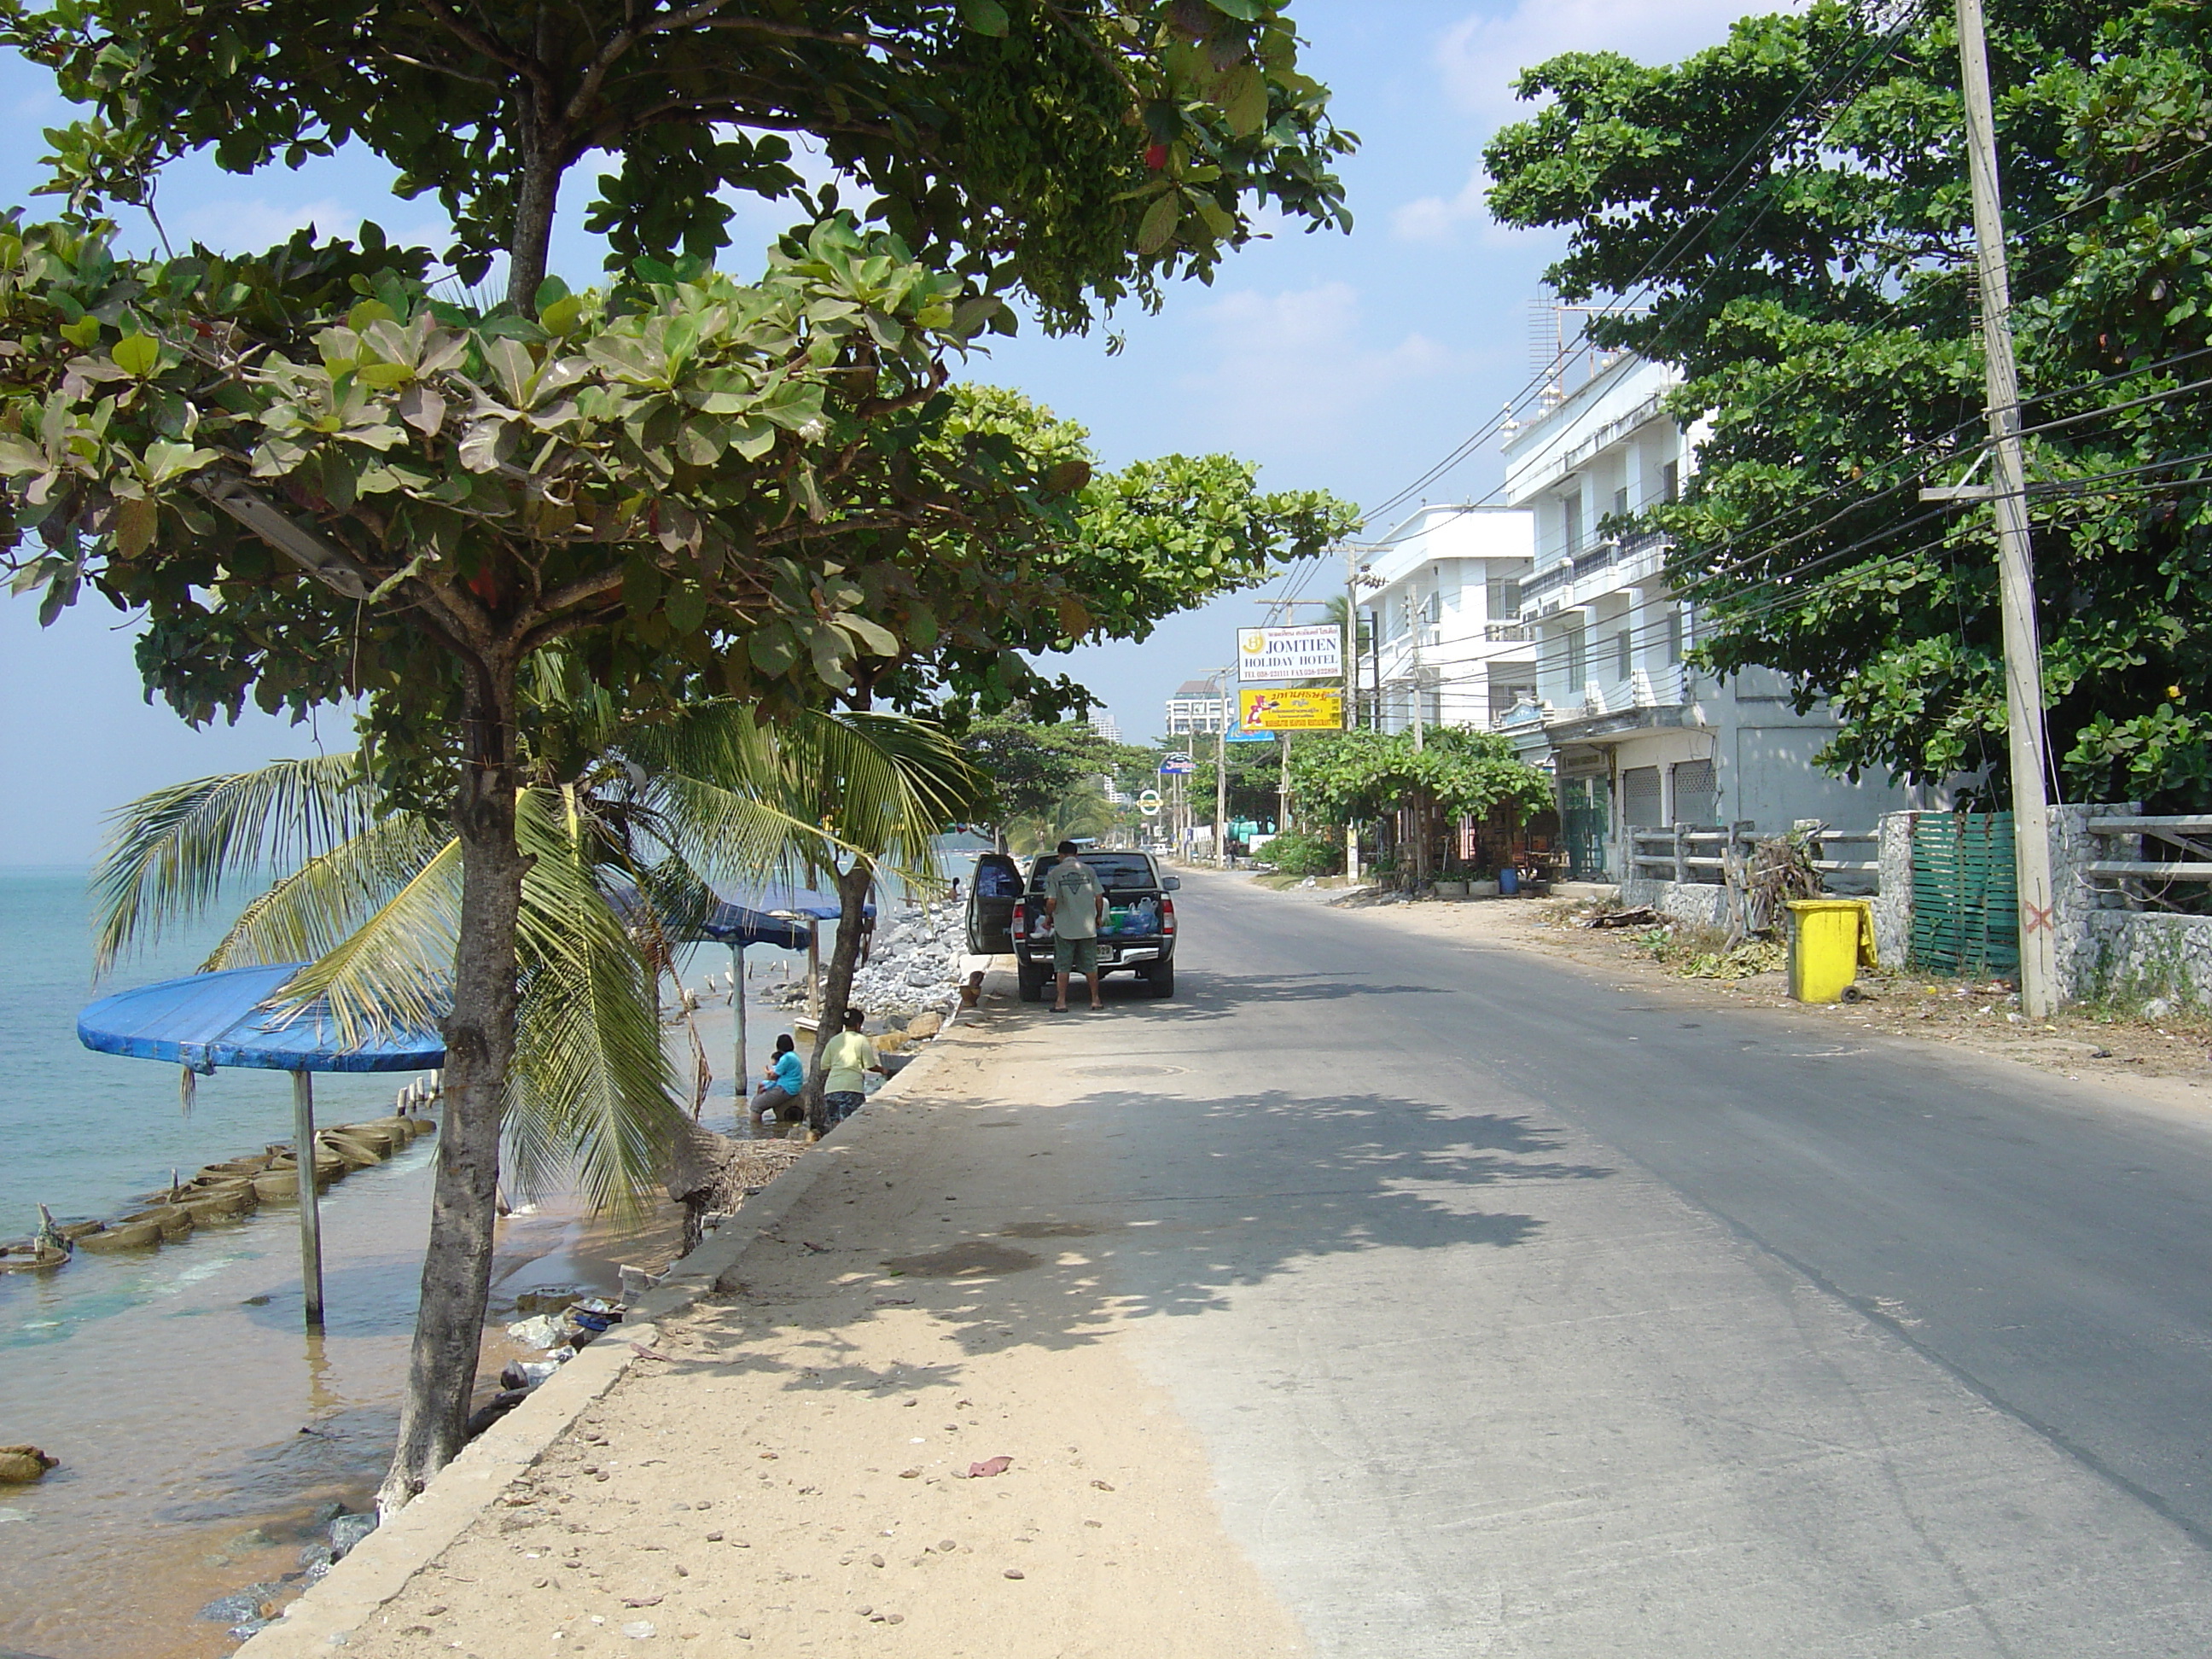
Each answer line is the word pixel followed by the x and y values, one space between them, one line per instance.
pixel 1522 1315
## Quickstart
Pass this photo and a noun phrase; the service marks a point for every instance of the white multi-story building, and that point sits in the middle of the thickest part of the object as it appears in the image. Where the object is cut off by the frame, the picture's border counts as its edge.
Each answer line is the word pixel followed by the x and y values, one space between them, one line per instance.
pixel 1197 707
pixel 1106 727
pixel 1440 603
pixel 1636 739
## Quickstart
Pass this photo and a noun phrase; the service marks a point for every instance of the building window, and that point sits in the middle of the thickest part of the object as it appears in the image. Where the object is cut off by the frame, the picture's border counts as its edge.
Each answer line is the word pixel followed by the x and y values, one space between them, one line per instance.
pixel 1623 662
pixel 1673 636
pixel 1577 664
pixel 1502 595
pixel 1670 481
pixel 1695 798
pixel 1573 507
pixel 1620 502
pixel 1639 797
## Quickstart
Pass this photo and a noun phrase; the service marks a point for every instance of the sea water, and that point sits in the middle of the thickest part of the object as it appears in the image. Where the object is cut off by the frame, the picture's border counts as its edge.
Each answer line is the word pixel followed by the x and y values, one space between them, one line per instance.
pixel 85 1133
pixel 203 1431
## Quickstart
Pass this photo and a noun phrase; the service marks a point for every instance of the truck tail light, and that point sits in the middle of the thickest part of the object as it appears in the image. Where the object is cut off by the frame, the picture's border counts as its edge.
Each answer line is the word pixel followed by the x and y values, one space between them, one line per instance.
pixel 1021 922
pixel 1167 915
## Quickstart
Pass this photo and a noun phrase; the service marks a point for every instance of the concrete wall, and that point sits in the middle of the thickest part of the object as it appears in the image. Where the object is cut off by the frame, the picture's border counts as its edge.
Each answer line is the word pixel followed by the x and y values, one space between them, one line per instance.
pixel 2108 952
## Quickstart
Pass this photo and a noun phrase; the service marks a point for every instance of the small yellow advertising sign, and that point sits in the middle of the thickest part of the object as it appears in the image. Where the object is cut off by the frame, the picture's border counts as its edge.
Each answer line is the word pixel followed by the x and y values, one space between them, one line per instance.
pixel 1291 709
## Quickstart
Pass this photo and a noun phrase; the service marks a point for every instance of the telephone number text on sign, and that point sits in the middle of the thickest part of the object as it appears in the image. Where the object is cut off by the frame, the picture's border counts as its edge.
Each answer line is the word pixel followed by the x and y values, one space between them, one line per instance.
pixel 1289 654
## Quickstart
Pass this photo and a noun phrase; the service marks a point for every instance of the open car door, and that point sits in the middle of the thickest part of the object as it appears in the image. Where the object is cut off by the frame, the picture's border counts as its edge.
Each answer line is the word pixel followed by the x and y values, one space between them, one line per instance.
pixel 991 898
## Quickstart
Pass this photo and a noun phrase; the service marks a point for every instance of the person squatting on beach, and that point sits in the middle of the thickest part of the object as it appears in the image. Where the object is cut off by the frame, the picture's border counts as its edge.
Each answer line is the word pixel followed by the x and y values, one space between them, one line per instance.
pixel 847 1056
pixel 1074 904
pixel 783 1081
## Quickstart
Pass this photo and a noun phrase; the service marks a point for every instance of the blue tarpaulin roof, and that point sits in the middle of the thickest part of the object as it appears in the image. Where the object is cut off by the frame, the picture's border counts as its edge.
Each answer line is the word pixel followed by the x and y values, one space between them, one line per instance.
pixel 747 917
pixel 207 1020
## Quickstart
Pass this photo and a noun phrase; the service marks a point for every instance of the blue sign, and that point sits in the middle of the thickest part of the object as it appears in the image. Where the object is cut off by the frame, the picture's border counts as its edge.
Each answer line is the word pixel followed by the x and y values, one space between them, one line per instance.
pixel 1238 734
pixel 1176 768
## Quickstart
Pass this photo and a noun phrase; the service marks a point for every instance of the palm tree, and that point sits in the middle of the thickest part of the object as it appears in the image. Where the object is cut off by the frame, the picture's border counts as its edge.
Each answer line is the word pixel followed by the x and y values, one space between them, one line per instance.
pixel 624 843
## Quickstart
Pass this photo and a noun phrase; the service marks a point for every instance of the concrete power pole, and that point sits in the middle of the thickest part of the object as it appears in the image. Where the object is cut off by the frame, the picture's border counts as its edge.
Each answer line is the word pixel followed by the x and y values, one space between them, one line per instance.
pixel 2023 652
pixel 1352 689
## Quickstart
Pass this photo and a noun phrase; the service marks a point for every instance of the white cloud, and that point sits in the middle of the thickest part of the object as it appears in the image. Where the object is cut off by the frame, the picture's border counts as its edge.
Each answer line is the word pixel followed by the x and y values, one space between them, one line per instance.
pixel 1478 58
pixel 247 226
pixel 1294 369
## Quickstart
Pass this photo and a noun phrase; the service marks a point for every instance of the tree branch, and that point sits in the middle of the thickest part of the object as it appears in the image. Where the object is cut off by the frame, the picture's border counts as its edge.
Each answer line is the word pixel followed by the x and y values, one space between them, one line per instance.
pixel 325 561
pixel 477 40
pixel 617 48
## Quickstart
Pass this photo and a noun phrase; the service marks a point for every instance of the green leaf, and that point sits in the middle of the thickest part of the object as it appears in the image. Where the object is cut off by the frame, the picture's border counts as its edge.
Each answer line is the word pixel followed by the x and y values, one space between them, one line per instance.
pixel 84 332
pixel 562 316
pixel 1245 11
pixel 136 520
pixel 1243 98
pixel 686 608
pixel 137 354
pixel 985 16
pixel 1158 228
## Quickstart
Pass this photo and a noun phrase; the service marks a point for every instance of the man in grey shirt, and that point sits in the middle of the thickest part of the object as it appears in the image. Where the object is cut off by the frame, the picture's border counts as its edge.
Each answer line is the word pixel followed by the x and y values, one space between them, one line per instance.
pixel 1074 904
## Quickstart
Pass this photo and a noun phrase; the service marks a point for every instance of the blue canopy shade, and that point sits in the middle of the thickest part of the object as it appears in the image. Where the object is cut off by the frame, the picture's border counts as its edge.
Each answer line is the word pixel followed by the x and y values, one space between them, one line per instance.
pixel 749 918
pixel 205 1020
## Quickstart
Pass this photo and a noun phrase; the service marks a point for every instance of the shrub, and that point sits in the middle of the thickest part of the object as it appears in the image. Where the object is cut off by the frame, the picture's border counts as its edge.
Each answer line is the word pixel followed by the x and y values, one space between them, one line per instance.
pixel 1295 852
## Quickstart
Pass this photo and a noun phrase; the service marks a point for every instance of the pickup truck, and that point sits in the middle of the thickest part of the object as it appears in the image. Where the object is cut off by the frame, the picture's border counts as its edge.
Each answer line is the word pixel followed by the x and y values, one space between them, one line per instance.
pixel 1006 915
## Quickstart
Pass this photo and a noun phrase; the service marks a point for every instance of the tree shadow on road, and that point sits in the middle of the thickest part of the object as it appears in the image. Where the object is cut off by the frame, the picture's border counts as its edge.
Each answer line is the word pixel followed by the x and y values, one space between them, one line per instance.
pixel 1139 1238
pixel 1208 995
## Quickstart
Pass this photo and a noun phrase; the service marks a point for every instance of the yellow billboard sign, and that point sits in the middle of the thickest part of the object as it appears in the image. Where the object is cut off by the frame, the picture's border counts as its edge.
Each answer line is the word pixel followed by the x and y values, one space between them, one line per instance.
pixel 1291 709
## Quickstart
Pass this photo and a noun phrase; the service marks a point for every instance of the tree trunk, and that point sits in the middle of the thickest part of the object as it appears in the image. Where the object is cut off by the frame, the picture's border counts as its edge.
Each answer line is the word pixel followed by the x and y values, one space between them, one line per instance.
pixel 537 192
pixel 852 887
pixel 441 1367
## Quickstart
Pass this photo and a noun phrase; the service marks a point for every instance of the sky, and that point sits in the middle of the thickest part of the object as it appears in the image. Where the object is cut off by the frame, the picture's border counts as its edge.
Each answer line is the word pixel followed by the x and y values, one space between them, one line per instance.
pixel 1345 363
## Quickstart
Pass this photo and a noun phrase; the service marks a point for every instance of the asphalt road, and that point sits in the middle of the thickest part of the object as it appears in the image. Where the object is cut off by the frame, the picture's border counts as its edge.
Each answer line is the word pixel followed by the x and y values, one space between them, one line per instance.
pixel 1524 1314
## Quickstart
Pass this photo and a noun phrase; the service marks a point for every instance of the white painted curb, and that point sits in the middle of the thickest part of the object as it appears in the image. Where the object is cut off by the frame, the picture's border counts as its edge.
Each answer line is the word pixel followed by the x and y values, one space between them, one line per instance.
pixel 378 1567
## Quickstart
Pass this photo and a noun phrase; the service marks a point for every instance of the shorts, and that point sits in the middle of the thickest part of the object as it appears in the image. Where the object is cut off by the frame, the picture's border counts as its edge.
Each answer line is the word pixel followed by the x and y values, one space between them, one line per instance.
pixel 770 1103
pixel 1075 956
pixel 842 1104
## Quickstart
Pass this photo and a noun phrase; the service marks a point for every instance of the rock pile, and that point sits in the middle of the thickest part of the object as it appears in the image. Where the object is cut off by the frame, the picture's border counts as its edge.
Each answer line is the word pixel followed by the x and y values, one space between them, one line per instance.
pixel 916 964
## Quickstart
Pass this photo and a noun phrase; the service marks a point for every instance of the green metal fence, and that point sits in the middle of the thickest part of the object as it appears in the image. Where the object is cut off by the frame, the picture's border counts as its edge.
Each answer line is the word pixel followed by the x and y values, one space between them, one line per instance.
pixel 1583 826
pixel 1965 900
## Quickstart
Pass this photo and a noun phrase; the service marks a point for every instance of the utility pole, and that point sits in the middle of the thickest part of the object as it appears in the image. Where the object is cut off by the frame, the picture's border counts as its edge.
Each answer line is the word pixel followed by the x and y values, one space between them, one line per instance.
pixel 1221 769
pixel 1352 689
pixel 1414 661
pixel 2008 498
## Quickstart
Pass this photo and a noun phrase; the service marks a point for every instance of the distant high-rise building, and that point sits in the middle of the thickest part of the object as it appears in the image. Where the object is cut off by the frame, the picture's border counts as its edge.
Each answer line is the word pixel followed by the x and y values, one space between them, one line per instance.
pixel 1197 706
pixel 1107 727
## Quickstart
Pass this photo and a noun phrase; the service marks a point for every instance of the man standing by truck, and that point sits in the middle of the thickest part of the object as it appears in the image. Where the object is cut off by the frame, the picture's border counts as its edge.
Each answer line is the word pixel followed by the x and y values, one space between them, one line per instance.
pixel 1074 903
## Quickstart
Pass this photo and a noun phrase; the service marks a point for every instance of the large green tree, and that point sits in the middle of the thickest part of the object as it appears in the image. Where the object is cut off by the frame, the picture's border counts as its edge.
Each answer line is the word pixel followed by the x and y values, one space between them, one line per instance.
pixel 1789 212
pixel 1075 150
pixel 320 481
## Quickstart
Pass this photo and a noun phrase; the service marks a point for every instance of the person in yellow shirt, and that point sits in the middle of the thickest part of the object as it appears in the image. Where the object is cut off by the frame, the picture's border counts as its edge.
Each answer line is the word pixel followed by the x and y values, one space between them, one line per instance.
pixel 846 1057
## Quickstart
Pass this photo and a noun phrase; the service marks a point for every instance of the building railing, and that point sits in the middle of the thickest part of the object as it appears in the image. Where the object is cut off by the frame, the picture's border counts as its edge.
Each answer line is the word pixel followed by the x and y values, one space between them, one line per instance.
pixel 1507 633
pixel 1542 584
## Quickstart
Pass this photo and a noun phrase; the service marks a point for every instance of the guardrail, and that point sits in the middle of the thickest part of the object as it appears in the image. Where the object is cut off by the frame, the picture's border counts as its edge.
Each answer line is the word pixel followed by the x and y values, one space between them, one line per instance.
pixel 1678 863
pixel 2186 832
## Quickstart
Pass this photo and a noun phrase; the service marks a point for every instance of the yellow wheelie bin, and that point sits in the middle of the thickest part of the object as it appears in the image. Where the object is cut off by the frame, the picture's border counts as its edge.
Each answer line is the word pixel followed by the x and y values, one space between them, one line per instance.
pixel 1829 940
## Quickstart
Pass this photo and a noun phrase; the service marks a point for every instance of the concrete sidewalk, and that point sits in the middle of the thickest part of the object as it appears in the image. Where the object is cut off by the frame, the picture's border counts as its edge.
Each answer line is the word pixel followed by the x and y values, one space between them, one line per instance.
pixel 788 1470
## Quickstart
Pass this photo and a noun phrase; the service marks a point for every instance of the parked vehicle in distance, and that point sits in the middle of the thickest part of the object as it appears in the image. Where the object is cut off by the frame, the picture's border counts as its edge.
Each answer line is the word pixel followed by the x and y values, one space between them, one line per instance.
pixel 1006 915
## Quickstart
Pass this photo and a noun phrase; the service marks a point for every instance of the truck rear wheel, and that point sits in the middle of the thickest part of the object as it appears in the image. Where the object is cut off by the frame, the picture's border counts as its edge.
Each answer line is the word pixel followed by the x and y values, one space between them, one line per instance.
pixel 1160 976
pixel 1029 977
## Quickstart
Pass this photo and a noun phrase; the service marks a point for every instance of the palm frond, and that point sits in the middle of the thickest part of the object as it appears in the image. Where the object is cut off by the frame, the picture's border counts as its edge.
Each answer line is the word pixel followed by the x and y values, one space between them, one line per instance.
pixel 592 1097
pixel 394 972
pixel 311 912
pixel 171 854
